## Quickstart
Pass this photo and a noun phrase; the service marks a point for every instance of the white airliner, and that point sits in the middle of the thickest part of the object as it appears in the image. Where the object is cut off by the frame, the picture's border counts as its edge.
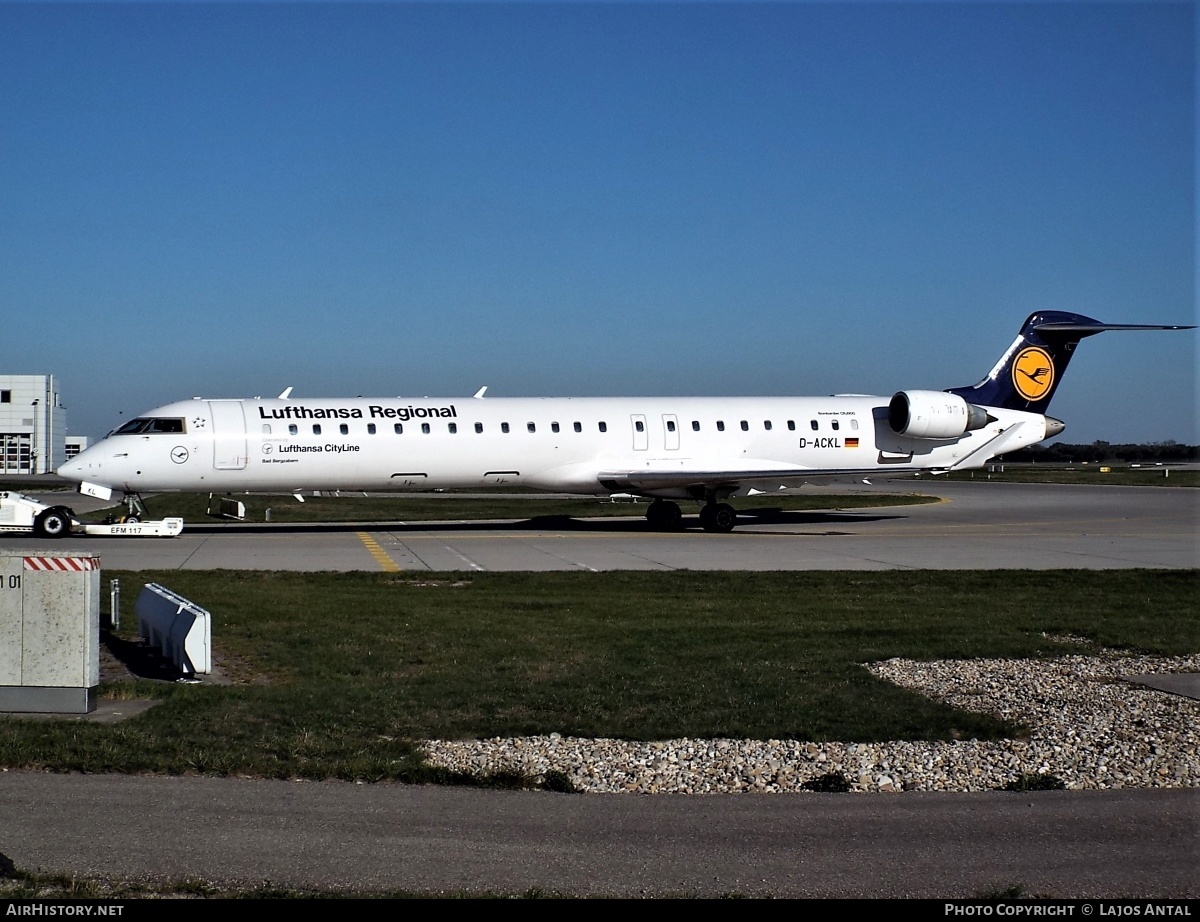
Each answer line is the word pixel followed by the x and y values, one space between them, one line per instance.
pixel 705 449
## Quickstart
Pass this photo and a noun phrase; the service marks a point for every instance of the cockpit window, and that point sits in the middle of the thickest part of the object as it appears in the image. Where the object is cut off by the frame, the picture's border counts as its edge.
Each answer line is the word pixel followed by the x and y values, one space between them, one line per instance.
pixel 146 425
pixel 134 425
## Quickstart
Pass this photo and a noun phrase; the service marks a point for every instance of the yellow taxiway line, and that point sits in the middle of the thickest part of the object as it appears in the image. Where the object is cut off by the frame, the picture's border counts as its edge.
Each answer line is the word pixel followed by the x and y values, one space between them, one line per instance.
pixel 385 562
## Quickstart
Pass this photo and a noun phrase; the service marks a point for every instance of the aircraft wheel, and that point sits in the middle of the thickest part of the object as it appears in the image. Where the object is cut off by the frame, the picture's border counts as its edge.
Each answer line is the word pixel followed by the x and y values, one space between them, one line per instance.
pixel 663 515
pixel 721 517
pixel 54 522
pixel 132 519
pixel 674 516
pixel 706 517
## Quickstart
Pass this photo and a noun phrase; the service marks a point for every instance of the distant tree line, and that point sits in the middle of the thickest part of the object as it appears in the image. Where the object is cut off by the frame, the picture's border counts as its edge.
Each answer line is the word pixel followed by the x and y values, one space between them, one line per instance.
pixel 1066 453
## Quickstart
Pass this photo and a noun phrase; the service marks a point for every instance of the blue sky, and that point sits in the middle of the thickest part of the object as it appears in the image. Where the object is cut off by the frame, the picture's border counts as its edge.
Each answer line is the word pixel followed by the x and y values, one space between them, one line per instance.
pixel 588 199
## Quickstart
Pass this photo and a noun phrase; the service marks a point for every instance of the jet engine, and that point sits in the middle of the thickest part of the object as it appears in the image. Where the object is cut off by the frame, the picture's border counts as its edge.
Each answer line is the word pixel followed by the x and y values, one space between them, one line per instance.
pixel 933 415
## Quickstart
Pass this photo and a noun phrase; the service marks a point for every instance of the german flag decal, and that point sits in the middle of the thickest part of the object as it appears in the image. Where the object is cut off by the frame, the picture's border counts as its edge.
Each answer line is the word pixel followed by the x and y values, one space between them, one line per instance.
pixel 852 443
pixel 1033 373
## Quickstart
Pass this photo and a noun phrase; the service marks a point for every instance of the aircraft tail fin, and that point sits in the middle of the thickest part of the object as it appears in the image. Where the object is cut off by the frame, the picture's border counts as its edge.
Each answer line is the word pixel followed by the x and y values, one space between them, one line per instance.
pixel 1027 375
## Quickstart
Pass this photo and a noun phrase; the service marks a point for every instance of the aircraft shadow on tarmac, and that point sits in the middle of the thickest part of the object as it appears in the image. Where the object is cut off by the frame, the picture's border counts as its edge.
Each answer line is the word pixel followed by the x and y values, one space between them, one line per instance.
pixel 598 525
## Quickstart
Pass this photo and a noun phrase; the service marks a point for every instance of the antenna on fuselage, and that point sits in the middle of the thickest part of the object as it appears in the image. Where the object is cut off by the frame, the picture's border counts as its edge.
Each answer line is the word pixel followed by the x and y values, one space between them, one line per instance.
pixel 479 393
pixel 287 391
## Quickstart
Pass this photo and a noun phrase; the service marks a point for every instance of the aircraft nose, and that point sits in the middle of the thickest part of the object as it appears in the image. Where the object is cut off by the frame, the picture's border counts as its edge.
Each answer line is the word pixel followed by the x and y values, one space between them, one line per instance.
pixel 72 469
pixel 77 468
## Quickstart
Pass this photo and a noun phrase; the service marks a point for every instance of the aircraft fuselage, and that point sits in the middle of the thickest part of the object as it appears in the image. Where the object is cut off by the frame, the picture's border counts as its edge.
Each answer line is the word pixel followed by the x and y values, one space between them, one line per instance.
pixel 661 446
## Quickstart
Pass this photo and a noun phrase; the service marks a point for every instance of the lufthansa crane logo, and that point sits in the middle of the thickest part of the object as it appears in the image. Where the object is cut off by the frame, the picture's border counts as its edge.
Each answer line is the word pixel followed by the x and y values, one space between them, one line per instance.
pixel 179 454
pixel 1033 373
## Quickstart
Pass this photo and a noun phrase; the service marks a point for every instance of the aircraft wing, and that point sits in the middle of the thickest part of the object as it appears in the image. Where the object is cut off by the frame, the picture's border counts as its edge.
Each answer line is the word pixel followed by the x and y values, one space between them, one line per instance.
pixel 747 474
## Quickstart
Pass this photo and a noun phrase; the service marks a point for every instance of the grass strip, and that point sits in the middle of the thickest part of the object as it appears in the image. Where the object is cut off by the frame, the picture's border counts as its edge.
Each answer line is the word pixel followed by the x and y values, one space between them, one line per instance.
pixel 1081 474
pixel 336 674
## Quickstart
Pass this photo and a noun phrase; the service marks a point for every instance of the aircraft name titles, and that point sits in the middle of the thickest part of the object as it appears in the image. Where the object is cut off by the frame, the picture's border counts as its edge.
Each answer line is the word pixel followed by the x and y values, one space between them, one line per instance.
pixel 330 448
pixel 410 412
pixel 299 411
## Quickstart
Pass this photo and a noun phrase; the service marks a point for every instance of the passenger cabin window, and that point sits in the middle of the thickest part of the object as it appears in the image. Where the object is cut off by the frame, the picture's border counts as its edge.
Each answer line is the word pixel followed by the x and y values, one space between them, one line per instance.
pixel 479 427
pixel 5 396
pixel 813 423
pixel 767 424
pixel 370 428
pixel 578 427
pixel 266 428
pixel 398 428
pixel 531 427
pixel 720 425
pixel 504 427
pixel 316 428
pixel 293 429
pixel 834 423
pixel 554 427
pixel 791 425
pixel 670 425
pixel 453 427
pixel 344 429
pixel 695 425
pixel 604 427
pixel 745 426
pixel 854 424
pixel 425 428
pixel 639 426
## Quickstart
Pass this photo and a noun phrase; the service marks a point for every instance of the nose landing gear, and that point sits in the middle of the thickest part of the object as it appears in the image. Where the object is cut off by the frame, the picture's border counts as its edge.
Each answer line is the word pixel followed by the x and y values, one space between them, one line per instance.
pixel 136 513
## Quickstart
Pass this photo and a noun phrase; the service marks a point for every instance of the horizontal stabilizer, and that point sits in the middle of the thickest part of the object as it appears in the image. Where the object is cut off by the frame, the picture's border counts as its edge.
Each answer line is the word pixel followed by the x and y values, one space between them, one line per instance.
pixel 1097 327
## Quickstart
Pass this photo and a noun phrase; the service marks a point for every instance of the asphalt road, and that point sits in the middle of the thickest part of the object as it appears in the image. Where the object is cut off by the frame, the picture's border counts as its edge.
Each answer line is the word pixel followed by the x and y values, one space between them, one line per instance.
pixel 980 526
pixel 387 837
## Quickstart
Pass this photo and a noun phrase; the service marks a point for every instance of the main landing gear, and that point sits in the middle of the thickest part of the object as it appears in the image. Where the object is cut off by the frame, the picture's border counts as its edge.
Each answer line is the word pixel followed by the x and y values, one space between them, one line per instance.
pixel 718 517
pixel 666 516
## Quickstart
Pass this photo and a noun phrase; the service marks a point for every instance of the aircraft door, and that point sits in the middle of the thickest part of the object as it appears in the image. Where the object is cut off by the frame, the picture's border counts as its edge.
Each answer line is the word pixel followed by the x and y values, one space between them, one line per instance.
pixel 670 432
pixel 229 435
pixel 641 437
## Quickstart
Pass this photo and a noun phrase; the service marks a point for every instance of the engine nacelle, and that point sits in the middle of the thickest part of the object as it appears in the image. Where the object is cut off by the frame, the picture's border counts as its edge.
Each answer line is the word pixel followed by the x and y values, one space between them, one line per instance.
pixel 933 415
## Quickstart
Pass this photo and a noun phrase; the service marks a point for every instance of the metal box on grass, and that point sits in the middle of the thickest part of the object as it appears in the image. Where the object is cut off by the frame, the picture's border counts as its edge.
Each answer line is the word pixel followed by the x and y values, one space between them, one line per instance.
pixel 49 632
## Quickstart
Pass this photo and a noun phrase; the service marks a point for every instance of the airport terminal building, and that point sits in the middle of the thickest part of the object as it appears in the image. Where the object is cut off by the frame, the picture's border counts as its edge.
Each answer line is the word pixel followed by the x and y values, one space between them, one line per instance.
pixel 33 425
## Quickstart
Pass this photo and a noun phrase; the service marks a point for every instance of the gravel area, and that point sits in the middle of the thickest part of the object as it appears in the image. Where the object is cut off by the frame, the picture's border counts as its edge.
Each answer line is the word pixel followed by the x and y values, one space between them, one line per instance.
pixel 1089 728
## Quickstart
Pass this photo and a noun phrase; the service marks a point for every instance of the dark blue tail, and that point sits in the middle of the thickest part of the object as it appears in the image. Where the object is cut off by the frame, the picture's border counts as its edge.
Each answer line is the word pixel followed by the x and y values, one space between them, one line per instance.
pixel 1028 374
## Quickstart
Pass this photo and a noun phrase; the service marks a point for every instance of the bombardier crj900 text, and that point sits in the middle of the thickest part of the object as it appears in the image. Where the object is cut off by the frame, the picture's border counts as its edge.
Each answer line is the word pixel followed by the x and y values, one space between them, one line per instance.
pixel 703 449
